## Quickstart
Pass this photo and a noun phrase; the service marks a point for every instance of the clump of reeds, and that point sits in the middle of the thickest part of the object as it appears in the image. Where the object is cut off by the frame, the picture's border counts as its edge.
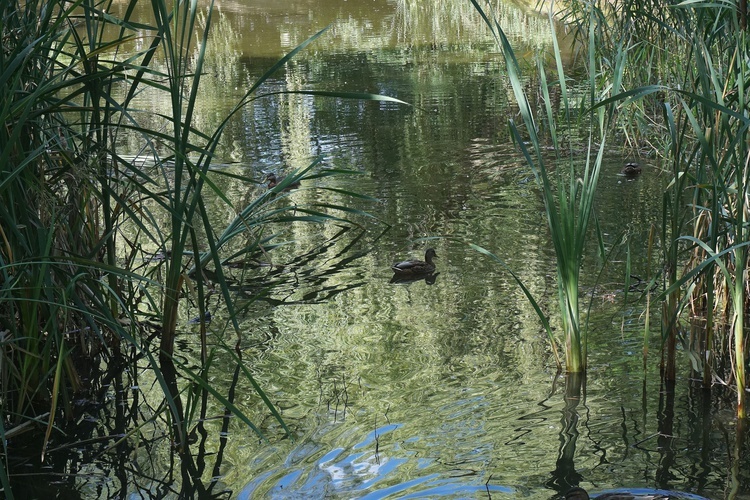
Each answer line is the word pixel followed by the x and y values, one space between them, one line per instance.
pixel 568 193
pixel 698 53
pixel 75 288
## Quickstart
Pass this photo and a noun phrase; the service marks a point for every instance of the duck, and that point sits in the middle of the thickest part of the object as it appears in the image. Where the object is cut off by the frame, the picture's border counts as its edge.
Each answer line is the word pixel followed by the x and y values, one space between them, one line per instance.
pixel 197 319
pixel 581 494
pixel 273 180
pixel 412 267
pixel 631 169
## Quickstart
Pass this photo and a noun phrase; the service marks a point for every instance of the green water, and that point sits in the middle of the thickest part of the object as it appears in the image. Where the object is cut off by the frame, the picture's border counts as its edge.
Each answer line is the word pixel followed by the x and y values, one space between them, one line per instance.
pixel 421 390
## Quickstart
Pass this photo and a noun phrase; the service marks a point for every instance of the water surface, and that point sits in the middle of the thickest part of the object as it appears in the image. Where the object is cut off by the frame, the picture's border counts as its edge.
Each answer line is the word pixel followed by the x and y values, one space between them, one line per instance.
pixel 423 390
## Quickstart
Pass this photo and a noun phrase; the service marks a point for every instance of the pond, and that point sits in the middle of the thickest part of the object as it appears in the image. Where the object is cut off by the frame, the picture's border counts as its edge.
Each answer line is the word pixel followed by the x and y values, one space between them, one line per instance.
pixel 435 388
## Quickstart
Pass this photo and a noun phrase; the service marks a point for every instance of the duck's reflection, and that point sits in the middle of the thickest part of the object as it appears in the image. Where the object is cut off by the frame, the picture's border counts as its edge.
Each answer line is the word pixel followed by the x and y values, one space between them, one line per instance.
pixel 404 279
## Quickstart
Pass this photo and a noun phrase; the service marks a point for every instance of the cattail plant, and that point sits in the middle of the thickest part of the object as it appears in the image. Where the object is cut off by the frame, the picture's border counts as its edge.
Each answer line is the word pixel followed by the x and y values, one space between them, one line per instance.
pixel 568 193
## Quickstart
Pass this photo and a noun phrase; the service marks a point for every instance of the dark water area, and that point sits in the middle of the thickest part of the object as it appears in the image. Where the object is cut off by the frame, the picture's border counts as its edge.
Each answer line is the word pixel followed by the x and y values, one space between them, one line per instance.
pixel 439 388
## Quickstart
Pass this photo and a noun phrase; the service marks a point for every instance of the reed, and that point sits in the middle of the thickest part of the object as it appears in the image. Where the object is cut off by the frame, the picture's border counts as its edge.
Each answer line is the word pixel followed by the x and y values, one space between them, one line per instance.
pixel 719 123
pixel 701 53
pixel 568 193
pixel 75 284
pixel 43 194
pixel 700 131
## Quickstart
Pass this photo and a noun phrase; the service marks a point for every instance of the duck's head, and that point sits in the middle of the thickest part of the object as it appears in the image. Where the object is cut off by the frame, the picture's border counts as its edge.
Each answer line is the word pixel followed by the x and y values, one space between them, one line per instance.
pixel 430 254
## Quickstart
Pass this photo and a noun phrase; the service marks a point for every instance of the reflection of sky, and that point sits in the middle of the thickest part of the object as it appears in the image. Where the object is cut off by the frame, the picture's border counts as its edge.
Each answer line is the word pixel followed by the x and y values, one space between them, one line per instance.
pixel 359 472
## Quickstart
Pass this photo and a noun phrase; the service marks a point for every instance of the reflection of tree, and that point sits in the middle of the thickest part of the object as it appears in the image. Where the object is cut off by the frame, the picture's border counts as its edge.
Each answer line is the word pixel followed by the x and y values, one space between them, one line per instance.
pixel 564 477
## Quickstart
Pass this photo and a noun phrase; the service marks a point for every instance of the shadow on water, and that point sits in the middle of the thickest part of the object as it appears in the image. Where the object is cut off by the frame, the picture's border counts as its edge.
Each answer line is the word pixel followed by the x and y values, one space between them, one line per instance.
pixel 96 438
pixel 122 460
pixel 319 274
pixel 566 478
pixel 368 464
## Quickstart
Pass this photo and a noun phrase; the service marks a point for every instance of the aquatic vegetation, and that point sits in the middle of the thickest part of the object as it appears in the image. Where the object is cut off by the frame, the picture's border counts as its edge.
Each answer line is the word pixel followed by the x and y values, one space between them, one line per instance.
pixel 569 199
pixel 700 52
pixel 103 245
pixel 702 135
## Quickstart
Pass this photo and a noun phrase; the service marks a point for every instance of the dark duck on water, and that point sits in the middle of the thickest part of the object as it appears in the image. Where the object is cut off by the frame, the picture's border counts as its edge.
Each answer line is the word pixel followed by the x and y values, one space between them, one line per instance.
pixel 273 180
pixel 413 267
pixel 631 169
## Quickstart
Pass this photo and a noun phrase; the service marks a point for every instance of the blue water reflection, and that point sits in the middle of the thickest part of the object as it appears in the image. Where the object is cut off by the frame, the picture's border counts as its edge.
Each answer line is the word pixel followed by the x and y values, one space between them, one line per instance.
pixel 359 475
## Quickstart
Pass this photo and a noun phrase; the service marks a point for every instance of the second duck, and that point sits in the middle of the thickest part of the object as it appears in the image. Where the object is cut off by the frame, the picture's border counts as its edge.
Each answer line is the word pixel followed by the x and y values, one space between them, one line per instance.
pixel 631 169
